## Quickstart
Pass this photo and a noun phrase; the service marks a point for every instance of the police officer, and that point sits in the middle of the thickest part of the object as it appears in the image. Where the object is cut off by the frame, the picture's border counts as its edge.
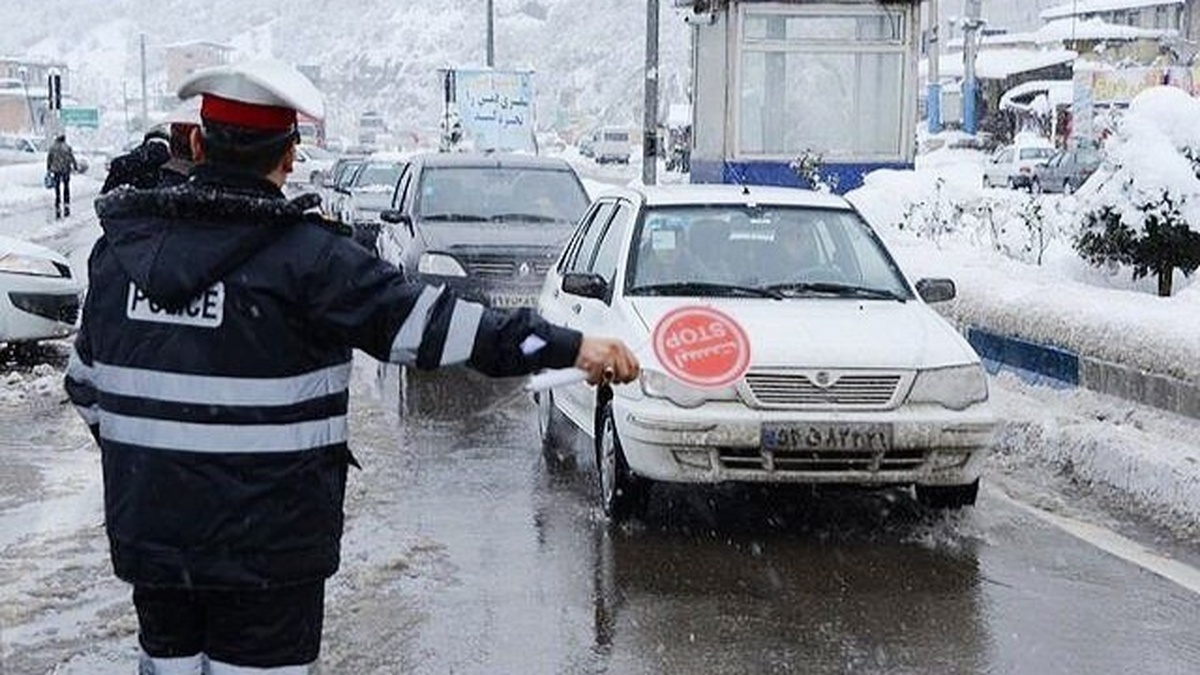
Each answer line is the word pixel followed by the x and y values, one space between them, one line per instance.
pixel 212 366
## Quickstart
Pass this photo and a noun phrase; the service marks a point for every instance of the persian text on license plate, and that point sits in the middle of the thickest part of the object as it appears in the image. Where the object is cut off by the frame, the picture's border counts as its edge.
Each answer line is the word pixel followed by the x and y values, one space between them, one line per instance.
pixel 801 436
pixel 506 301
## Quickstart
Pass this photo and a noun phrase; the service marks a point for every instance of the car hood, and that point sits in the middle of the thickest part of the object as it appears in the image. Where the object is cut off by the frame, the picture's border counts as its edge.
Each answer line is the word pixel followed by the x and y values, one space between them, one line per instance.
pixel 483 236
pixel 367 199
pixel 816 333
pixel 29 249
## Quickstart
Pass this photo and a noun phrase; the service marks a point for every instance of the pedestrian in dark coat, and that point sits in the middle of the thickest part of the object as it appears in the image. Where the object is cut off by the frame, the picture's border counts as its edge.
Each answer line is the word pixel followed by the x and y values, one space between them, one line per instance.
pixel 212 365
pixel 141 167
pixel 60 162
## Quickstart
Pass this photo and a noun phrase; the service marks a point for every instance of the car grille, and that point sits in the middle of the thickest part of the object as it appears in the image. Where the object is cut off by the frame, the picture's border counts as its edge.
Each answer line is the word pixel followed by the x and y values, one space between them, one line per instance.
pixel 801 390
pixel 822 461
pixel 506 267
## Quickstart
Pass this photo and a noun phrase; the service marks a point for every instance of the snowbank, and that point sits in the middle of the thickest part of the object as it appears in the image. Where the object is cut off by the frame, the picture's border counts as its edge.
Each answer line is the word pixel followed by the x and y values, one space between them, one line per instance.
pixel 939 221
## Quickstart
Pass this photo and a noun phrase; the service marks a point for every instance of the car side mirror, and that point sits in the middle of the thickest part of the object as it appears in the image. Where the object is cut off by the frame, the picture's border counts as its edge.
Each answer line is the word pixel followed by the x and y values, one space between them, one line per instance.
pixel 936 290
pixel 398 218
pixel 585 285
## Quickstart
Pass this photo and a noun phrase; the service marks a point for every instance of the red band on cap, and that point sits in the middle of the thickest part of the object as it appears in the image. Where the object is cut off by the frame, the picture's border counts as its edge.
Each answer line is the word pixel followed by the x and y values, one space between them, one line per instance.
pixel 249 115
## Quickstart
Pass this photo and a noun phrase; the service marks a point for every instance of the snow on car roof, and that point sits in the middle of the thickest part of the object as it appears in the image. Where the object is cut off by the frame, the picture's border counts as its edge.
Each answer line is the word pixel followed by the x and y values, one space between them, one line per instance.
pixel 674 195
pixel 470 159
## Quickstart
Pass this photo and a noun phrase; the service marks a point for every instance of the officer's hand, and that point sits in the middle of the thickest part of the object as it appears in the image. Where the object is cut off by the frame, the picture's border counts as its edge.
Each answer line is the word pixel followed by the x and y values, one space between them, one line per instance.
pixel 606 360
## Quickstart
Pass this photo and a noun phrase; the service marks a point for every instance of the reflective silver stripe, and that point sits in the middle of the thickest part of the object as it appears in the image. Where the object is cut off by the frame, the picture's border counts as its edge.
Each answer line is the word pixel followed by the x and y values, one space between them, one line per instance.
pixel 222 438
pixel 185 665
pixel 212 390
pixel 464 326
pixel 218 668
pixel 79 371
pixel 90 414
pixel 408 338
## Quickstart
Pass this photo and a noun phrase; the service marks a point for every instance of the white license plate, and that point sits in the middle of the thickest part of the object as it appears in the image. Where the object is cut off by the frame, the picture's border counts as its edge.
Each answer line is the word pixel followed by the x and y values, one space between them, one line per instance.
pixel 821 436
pixel 506 301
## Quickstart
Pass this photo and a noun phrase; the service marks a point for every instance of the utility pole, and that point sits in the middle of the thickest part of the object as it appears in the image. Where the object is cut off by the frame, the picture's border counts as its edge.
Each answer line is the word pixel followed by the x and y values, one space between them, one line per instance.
pixel 650 118
pixel 971 26
pixel 145 95
pixel 491 33
pixel 933 106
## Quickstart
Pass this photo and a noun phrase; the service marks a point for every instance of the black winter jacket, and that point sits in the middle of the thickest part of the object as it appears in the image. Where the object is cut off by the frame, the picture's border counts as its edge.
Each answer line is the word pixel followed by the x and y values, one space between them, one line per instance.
pixel 213 364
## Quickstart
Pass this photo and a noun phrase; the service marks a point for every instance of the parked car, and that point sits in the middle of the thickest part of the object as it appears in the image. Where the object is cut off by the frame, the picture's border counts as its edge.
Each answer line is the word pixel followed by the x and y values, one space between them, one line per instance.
pixel 486 225
pixel 848 377
pixel 20 150
pixel 39 295
pixel 1066 170
pixel 312 165
pixel 1012 166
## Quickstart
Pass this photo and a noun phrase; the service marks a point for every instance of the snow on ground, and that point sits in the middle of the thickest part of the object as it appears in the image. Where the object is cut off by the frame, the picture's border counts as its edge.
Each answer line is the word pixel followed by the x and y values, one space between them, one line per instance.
pixel 939 221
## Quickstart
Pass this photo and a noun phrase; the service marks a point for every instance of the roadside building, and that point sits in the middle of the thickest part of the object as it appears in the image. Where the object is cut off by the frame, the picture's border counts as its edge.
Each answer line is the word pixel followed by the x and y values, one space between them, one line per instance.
pixel 185 58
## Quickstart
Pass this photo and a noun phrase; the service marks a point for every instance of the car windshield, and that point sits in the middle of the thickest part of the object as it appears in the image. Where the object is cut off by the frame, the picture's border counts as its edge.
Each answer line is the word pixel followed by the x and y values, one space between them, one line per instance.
pixel 1036 153
pixel 793 251
pixel 501 194
pixel 378 174
pixel 316 152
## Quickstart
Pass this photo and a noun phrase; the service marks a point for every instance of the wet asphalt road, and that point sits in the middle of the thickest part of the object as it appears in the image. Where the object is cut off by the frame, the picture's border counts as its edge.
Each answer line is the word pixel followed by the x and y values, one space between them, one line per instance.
pixel 529 578
pixel 466 553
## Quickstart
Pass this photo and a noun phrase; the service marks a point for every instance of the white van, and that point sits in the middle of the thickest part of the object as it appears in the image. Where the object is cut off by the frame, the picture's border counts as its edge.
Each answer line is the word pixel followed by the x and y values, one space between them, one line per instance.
pixel 612 144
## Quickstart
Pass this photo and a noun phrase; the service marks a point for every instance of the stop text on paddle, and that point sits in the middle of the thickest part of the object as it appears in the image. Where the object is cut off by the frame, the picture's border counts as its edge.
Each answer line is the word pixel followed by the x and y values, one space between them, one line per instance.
pixel 702 347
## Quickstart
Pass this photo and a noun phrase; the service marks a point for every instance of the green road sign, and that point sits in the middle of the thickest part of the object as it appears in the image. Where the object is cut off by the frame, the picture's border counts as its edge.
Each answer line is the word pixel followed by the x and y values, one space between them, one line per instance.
pixel 88 118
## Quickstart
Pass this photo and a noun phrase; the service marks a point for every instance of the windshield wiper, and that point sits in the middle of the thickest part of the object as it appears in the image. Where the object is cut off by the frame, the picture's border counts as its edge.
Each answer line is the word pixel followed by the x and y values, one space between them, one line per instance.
pixel 707 288
pixel 463 217
pixel 843 290
pixel 527 217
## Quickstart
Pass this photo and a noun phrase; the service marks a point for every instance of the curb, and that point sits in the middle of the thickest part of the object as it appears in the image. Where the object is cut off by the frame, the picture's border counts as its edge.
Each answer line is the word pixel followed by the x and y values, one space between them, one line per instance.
pixel 1062 368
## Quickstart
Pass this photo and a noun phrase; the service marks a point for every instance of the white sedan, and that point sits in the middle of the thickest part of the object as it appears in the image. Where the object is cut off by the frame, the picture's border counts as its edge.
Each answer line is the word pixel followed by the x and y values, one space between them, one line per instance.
pixel 39 295
pixel 779 340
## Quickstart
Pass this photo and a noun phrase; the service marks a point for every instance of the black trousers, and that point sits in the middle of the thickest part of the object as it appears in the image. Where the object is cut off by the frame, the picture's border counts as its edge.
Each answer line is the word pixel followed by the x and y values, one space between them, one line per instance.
pixel 62 191
pixel 253 628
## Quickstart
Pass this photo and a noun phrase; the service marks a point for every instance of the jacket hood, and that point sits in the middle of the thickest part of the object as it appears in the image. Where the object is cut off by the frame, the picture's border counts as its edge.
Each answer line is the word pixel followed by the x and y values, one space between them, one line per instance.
pixel 176 242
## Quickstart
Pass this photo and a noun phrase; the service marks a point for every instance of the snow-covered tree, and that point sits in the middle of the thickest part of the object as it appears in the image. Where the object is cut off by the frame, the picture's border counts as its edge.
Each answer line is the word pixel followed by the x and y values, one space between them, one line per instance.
pixel 1142 209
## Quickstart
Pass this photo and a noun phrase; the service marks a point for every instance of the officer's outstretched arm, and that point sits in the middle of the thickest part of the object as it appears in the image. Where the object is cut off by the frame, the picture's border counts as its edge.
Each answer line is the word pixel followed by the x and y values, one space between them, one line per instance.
pixel 366 303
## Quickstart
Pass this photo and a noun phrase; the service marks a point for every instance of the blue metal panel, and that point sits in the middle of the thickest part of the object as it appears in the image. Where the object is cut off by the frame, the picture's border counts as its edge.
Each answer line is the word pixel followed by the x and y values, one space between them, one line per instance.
pixel 1032 361
pixel 848 176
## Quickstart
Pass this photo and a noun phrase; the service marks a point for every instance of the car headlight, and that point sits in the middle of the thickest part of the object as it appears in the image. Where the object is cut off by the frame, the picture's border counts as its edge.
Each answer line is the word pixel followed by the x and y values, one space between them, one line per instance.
pixel 440 264
pixel 956 387
pixel 656 384
pixel 24 264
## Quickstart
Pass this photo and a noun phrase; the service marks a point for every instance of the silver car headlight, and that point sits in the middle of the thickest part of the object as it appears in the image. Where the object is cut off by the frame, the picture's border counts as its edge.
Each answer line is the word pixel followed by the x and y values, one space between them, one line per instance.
pixel 955 387
pixel 657 384
pixel 440 264
pixel 31 265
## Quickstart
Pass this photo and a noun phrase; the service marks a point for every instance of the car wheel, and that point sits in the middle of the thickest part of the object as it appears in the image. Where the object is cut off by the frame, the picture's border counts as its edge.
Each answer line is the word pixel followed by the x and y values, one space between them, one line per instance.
pixel 948 497
pixel 622 494
pixel 1068 188
pixel 552 429
pixel 1035 187
pixel 1012 183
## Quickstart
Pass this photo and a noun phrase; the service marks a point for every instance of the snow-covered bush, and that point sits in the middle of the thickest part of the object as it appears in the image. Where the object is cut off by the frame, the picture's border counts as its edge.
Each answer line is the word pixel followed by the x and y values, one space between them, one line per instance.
pixel 808 168
pixel 1142 209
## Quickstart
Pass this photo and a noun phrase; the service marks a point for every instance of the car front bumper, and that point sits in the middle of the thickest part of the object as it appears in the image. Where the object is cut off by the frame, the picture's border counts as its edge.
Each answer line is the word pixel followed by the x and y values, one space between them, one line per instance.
pixel 489 292
pixel 722 441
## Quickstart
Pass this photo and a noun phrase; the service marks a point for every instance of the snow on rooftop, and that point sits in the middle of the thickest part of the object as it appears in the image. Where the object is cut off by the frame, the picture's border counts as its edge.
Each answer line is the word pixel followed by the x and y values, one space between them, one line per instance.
pixel 1080 7
pixel 1061 30
pixel 1059 92
pixel 998 64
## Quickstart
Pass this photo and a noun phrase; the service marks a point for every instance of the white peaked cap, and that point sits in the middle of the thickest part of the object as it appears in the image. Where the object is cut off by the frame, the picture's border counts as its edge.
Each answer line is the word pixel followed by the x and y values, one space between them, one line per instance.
pixel 265 82
pixel 187 112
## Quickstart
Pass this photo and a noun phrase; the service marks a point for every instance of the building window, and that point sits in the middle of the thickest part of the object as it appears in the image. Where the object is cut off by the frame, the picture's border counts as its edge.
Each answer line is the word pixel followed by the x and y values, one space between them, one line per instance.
pixel 828 81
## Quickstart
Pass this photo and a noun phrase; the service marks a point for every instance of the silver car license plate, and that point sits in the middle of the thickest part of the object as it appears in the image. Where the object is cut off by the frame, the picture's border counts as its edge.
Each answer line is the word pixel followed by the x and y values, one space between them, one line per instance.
pixel 824 436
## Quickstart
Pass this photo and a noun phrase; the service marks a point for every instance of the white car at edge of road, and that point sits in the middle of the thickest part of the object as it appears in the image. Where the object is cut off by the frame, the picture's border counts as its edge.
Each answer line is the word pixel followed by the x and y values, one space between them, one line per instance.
pixel 39 295
pixel 851 377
